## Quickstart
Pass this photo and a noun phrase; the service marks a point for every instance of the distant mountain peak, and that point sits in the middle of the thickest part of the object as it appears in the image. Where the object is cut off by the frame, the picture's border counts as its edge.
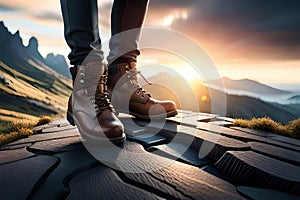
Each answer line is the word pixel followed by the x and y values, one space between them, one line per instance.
pixel 248 85
pixel 18 40
pixel 2 26
pixel 13 53
pixel 33 43
pixel 58 63
pixel 159 77
pixel 225 78
pixel 17 33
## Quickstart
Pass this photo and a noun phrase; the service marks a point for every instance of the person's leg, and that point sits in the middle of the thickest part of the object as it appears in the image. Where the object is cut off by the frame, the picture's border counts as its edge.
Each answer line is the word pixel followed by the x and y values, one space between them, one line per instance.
pixel 88 106
pixel 126 15
pixel 126 94
pixel 81 29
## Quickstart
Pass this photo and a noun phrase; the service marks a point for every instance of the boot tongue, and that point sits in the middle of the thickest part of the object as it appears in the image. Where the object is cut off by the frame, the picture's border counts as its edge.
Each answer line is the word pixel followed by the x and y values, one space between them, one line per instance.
pixel 123 67
pixel 95 69
pixel 102 87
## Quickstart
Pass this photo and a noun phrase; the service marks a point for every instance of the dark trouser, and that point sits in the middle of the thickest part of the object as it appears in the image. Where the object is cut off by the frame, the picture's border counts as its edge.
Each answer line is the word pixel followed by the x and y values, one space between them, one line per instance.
pixel 82 33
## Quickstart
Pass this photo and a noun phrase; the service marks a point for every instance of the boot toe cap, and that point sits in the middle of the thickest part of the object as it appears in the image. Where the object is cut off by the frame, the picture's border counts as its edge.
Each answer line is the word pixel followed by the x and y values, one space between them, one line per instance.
pixel 111 131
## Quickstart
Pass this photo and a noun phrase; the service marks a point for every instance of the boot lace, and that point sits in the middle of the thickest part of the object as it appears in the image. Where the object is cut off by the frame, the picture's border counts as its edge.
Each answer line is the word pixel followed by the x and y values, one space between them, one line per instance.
pixel 96 92
pixel 132 75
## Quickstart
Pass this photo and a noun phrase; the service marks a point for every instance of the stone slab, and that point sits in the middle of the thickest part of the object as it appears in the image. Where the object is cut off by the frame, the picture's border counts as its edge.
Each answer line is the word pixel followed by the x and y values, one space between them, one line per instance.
pixel 59 121
pixel 288 140
pixel 71 164
pixel 19 178
pixel 103 183
pixel 192 118
pixel 253 169
pixel 14 155
pixel 148 139
pixel 214 146
pixel 143 175
pixel 56 123
pixel 265 194
pixel 206 118
pixel 186 113
pixel 180 153
pixel 57 145
pixel 191 121
pixel 221 123
pixel 214 172
pixel 255 132
pixel 227 119
pixel 285 155
pixel 270 135
pixel 44 137
pixel 58 129
pixel 17 146
pixel 39 129
pixel 142 135
pixel 145 168
pixel 210 145
pixel 243 136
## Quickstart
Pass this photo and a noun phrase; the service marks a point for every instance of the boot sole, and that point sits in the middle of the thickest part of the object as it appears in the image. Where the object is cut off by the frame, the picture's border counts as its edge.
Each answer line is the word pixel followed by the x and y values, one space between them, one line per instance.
pixel 96 140
pixel 153 117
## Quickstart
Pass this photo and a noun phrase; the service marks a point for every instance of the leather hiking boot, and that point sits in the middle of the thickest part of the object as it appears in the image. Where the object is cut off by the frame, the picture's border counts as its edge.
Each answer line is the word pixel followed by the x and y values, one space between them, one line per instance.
pixel 128 97
pixel 89 107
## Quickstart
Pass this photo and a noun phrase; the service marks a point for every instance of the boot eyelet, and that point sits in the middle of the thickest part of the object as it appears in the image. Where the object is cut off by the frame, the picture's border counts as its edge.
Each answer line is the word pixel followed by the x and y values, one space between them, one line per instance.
pixel 138 92
pixel 82 81
pixel 143 96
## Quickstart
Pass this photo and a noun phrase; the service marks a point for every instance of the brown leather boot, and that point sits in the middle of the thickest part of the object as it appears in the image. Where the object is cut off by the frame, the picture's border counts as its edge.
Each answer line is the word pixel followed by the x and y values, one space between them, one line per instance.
pixel 89 107
pixel 128 97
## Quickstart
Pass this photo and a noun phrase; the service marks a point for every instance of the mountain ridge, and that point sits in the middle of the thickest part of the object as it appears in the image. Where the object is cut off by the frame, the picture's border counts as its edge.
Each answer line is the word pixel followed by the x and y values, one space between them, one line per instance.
pixel 29 80
pixel 186 95
pixel 14 53
pixel 29 85
pixel 247 85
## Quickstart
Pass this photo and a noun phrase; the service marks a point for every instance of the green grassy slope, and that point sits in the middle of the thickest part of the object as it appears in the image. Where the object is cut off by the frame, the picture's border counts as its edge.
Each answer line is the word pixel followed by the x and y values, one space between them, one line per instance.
pixel 25 98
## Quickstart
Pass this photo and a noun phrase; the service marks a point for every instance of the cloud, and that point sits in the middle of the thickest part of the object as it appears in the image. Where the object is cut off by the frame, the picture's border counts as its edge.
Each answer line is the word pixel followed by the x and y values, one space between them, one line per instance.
pixel 228 30
pixel 49 15
pixel 4 7
pixel 43 20
pixel 251 29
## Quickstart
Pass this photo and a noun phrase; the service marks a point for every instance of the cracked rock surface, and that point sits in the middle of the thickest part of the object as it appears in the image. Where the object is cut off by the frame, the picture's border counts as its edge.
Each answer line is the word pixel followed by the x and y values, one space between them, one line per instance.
pixel 190 156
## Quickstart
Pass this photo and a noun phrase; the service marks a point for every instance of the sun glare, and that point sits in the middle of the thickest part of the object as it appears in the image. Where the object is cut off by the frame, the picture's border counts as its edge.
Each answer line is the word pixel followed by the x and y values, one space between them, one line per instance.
pixel 189 73
pixel 178 14
pixel 204 98
pixel 168 20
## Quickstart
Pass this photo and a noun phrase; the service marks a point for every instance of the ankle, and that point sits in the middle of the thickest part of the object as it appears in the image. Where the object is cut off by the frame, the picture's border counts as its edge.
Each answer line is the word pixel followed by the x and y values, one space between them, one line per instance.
pixel 113 69
pixel 121 67
pixel 73 72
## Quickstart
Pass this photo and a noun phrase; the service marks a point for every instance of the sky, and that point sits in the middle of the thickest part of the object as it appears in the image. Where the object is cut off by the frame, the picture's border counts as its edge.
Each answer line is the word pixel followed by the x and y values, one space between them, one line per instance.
pixel 253 39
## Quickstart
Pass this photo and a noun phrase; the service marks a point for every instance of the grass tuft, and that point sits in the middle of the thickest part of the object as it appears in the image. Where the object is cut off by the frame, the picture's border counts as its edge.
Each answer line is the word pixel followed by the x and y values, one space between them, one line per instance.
pixel 43 120
pixel 18 130
pixel 18 133
pixel 294 127
pixel 16 127
pixel 291 129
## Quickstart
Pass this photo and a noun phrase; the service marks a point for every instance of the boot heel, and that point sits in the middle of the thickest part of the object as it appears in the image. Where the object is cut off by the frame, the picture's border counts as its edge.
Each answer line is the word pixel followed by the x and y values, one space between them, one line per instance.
pixel 70 119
